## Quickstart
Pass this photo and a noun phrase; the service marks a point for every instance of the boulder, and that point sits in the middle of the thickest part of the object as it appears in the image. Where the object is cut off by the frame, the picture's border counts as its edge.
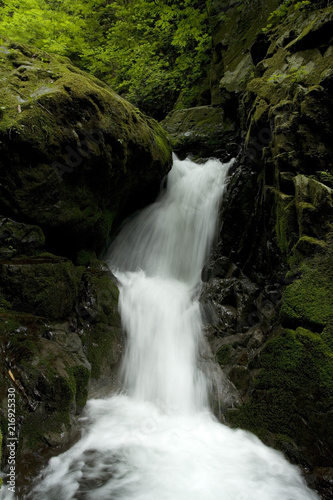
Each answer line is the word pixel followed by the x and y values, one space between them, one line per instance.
pixel 201 131
pixel 75 157
pixel 75 160
pixel 272 65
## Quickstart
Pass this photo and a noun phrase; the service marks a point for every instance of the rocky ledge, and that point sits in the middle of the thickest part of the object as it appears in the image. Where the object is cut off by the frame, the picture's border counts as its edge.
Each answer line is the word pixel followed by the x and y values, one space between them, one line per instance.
pixel 268 285
pixel 75 160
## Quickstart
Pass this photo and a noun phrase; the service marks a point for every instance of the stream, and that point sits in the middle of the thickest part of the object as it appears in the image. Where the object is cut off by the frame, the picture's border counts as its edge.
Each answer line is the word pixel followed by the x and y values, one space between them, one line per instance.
pixel 157 438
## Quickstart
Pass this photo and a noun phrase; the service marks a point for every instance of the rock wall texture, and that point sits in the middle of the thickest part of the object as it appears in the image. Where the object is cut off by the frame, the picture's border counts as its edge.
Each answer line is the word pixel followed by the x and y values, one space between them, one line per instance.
pixel 269 281
pixel 75 159
pixel 74 155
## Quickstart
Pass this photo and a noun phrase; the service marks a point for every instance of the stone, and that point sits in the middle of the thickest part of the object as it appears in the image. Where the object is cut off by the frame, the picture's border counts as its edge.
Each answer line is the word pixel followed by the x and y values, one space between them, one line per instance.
pixel 199 131
pixel 88 156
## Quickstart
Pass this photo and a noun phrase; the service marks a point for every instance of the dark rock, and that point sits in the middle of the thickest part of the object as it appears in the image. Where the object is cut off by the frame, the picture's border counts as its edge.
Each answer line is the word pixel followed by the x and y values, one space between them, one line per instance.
pixel 85 154
pixel 56 360
pixel 260 48
pixel 43 286
pixel 201 131
pixel 273 339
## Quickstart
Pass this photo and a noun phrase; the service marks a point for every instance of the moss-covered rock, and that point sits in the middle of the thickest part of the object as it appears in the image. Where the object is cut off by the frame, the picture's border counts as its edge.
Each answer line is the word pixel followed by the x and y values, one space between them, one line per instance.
pixel 69 142
pixel 101 328
pixel 272 76
pixel 308 300
pixel 19 239
pixel 60 338
pixel 201 131
pixel 50 374
pixel 44 286
pixel 296 375
pixel 56 360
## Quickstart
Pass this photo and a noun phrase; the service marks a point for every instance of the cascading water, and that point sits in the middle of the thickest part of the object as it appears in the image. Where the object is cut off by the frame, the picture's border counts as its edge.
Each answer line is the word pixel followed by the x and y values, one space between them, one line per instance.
pixel 158 440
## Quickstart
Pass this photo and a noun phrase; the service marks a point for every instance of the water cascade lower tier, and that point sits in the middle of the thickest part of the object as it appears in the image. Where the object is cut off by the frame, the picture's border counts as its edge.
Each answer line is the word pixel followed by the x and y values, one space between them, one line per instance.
pixel 158 439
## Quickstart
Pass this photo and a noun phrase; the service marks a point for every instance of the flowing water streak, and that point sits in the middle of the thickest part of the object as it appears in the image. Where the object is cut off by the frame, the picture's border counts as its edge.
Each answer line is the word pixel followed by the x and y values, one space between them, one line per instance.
pixel 158 259
pixel 159 440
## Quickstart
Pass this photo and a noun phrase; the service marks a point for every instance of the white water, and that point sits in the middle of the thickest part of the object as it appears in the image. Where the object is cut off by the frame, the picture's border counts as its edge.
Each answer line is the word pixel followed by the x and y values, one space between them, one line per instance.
pixel 158 440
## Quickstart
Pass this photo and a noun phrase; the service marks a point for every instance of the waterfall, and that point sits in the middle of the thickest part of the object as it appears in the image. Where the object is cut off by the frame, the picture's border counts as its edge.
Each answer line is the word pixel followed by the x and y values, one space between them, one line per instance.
pixel 158 259
pixel 158 440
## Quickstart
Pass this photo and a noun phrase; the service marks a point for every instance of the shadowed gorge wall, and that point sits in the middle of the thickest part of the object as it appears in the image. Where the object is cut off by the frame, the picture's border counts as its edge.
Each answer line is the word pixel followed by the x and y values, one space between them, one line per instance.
pixel 269 281
pixel 75 160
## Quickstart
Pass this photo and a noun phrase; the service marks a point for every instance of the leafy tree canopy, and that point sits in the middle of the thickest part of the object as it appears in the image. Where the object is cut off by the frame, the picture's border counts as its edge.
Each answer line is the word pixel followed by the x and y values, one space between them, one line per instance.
pixel 149 51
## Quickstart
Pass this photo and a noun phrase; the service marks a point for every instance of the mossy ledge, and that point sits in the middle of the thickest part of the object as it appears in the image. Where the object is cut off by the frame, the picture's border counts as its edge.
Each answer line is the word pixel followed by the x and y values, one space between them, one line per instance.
pixel 271 84
pixel 76 159
pixel 67 140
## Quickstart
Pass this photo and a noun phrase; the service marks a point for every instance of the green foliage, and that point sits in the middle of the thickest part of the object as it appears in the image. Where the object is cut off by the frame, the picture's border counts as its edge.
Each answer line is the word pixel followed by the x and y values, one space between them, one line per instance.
pixel 152 51
pixel 149 51
pixel 45 25
pixel 293 77
pixel 280 14
pixel 323 176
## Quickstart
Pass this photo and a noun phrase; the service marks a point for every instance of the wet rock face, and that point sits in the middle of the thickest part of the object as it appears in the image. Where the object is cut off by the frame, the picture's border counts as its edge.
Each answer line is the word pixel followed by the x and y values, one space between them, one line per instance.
pixel 202 131
pixel 60 340
pixel 74 156
pixel 267 288
pixel 19 239
pixel 273 342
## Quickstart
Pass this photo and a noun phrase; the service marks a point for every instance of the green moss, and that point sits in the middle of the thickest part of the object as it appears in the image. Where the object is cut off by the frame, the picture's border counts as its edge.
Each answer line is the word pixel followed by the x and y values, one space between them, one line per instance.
pixel 81 376
pixel 295 359
pixel 327 334
pixel 44 287
pixel 223 354
pixel 308 300
pixel 306 247
pixel 285 226
pixel 36 429
pixel 295 383
pixel 83 258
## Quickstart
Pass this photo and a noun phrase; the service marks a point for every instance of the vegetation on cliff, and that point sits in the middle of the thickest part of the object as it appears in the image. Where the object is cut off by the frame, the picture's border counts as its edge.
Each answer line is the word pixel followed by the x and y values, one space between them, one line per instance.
pixel 75 159
pixel 270 278
pixel 150 52
pixel 268 98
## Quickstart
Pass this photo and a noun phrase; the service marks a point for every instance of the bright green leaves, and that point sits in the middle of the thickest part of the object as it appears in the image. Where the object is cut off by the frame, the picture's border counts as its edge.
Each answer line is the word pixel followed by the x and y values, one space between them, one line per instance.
pixel 153 51
pixel 150 51
pixel 35 22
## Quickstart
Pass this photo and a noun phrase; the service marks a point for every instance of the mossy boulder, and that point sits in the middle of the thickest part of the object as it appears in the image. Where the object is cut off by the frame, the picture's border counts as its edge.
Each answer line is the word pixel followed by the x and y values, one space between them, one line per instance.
pixel 308 300
pixel 44 286
pixel 19 239
pixel 75 157
pixel 295 376
pixel 55 359
pixel 201 131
